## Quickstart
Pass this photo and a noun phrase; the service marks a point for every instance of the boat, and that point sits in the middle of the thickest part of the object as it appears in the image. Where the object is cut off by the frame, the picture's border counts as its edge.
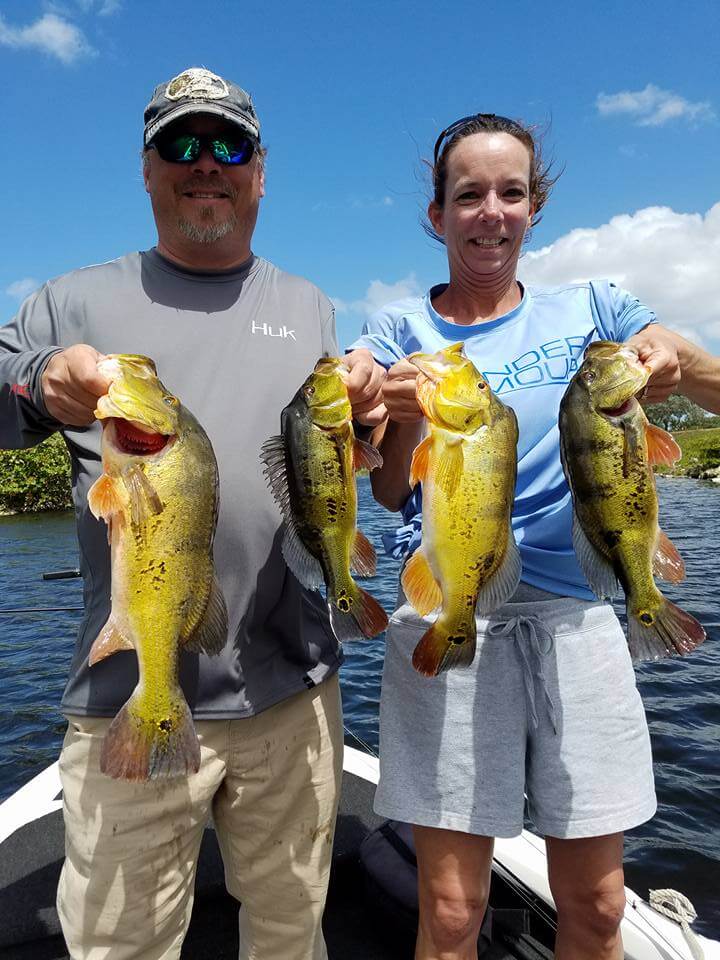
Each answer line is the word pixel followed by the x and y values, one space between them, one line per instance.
pixel 365 918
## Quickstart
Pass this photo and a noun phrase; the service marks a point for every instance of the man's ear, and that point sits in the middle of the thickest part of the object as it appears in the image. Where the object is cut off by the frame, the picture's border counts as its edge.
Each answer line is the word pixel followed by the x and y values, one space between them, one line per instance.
pixel 146 169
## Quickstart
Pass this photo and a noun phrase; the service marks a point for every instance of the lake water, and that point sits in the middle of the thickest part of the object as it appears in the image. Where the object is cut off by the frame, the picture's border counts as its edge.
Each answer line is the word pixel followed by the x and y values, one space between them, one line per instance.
pixel 679 848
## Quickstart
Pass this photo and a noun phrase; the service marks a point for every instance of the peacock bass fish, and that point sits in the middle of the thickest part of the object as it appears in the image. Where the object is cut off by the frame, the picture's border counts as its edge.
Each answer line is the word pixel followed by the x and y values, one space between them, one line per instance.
pixel 608 449
pixel 468 561
pixel 158 494
pixel 311 472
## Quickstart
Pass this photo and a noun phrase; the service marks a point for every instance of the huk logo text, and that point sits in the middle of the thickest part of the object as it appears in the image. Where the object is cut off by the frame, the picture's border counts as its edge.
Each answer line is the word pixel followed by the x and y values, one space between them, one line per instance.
pixel 267 330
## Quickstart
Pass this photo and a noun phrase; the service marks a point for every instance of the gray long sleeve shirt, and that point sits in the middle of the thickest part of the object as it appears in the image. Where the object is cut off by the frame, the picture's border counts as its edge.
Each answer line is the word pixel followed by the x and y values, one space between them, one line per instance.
pixel 234 346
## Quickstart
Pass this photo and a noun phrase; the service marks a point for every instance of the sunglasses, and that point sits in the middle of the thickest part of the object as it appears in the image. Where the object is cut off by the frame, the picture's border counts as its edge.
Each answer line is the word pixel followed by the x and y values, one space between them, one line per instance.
pixel 450 131
pixel 187 147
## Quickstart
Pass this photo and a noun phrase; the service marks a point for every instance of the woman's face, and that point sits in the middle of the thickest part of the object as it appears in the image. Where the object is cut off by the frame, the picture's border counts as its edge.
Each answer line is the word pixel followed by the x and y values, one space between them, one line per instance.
pixel 487 205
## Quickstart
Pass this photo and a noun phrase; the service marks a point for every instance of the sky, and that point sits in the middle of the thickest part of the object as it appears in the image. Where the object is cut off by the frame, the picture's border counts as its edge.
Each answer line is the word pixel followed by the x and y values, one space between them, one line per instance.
pixel 351 97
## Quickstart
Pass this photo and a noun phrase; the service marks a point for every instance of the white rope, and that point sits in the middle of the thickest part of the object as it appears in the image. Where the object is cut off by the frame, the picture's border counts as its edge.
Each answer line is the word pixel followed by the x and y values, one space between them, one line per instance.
pixel 677 907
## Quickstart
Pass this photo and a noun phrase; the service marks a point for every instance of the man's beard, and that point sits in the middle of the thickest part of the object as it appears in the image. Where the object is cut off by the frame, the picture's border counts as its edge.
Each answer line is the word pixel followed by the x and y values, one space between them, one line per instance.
pixel 209 232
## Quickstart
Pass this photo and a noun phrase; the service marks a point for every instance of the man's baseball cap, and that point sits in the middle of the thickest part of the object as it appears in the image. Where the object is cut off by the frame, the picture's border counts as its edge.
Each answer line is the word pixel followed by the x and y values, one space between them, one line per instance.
pixel 197 90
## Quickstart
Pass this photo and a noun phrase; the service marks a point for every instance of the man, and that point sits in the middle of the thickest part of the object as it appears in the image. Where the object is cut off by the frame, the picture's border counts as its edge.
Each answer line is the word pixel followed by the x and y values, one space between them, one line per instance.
pixel 234 337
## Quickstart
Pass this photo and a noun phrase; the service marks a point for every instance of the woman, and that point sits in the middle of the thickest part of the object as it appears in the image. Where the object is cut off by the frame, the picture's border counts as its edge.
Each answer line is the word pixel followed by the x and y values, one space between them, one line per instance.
pixel 549 705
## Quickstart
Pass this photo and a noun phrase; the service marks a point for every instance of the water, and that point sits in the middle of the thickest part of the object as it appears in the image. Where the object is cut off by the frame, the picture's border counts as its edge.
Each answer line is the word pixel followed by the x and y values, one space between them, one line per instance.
pixel 679 848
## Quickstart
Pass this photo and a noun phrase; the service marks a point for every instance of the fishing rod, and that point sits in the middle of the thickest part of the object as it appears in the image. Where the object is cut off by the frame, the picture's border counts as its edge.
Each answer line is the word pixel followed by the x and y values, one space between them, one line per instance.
pixel 53 575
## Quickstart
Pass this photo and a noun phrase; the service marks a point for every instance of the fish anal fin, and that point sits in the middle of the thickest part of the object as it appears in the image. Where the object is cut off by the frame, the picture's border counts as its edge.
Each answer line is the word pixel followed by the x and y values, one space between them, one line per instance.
pixel 450 467
pixel 419 584
pixel 597 569
pixel 503 583
pixel 661 446
pixel 363 560
pixel 110 640
pixel 420 461
pixel 365 455
pixel 210 635
pixel 667 562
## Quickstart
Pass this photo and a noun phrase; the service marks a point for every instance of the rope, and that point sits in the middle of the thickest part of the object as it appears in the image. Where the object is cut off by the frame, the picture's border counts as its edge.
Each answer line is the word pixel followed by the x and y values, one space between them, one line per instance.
pixel 677 907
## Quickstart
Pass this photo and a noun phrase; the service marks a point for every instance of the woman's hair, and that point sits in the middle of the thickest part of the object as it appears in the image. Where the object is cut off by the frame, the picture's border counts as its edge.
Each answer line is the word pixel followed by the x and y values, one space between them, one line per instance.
pixel 541 180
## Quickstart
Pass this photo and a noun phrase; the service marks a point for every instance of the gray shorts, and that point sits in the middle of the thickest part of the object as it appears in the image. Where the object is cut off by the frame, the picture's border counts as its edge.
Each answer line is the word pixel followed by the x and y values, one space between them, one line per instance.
pixel 548 708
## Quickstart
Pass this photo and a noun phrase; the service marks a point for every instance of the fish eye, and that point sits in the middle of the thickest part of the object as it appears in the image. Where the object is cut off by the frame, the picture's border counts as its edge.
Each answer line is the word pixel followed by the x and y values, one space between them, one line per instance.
pixel 481 385
pixel 589 376
pixel 310 391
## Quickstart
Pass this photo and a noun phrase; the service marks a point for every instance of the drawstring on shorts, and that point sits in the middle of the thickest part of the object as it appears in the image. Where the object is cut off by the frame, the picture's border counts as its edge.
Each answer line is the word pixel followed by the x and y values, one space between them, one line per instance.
pixel 534 641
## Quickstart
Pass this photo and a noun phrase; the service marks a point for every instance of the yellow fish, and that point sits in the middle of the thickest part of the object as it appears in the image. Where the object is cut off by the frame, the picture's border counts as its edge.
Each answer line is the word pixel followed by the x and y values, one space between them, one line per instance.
pixel 608 449
pixel 468 561
pixel 158 494
pixel 311 471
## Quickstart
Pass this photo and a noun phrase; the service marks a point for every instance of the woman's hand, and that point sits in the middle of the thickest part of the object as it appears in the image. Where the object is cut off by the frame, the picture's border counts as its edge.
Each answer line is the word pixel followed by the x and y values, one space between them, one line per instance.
pixel 399 393
pixel 364 387
pixel 659 349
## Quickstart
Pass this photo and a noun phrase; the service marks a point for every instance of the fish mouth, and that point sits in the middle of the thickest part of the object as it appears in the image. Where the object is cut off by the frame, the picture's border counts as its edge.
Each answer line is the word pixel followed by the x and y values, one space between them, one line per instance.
pixel 619 411
pixel 135 439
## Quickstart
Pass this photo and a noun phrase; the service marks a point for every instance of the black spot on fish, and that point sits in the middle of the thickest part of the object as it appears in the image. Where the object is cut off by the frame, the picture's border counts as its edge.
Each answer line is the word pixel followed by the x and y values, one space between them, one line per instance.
pixel 647 618
pixel 611 538
pixel 489 561
pixel 456 640
pixel 165 725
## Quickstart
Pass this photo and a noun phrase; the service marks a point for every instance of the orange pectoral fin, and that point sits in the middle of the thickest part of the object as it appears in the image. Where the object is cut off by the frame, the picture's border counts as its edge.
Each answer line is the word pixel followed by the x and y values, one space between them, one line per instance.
pixel 661 446
pixel 104 498
pixel 366 455
pixel 420 462
pixel 363 560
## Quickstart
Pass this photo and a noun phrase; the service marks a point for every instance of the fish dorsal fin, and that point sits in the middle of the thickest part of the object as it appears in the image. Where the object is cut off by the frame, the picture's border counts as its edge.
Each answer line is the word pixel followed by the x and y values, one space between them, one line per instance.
pixel 210 635
pixel 298 558
pixel 667 562
pixel 365 455
pixel 420 586
pixel 598 570
pixel 144 499
pixel 503 583
pixel 661 446
pixel 110 640
pixel 450 466
pixel 420 461
pixel 363 560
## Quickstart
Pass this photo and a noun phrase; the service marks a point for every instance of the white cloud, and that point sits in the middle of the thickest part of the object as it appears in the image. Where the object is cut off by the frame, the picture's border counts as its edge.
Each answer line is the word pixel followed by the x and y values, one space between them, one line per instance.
pixel 22 288
pixel 103 8
pixel 378 294
pixel 652 107
pixel 50 34
pixel 668 260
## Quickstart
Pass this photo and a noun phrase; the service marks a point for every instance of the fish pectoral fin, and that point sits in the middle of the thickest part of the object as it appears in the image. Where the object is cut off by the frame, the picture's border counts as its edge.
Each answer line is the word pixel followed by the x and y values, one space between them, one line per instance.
pixel 667 562
pixel 210 635
pixel 301 562
pixel 502 585
pixel 450 467
pixel 144 499
pixel 597 568
pixel 420 461
pixel 661 446
pixel 363 560
pixel 365 455
pixel 104 498
pixel 110 640
pixel 419 583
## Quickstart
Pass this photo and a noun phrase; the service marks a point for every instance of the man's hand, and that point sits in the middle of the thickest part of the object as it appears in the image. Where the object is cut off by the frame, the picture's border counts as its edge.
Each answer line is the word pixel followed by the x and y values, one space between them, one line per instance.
pixel 364 387
pixel 71 385
pixel 399 393
pixel 659 349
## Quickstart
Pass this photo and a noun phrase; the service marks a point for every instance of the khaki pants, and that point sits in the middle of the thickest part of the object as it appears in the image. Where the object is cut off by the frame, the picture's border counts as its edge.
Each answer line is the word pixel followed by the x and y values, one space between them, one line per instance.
pixel 271 783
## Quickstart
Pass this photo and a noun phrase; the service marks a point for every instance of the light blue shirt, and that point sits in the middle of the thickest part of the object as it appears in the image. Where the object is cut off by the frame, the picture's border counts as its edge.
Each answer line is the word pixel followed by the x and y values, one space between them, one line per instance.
pixel 528 357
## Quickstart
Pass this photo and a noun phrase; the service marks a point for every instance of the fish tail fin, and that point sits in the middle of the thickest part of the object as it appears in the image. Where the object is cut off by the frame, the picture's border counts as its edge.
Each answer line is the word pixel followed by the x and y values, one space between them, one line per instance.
pixel 442 649
pixel 355 614
pixel 139 747
pixel 662 632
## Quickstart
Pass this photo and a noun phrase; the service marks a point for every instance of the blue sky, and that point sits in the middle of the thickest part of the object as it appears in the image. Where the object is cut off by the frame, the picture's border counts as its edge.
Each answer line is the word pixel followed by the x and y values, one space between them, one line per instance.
pixel 351 97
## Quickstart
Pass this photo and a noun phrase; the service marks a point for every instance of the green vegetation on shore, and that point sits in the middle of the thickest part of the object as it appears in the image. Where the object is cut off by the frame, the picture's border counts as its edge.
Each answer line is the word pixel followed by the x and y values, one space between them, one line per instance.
pixel 700 454
pixel 36 479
